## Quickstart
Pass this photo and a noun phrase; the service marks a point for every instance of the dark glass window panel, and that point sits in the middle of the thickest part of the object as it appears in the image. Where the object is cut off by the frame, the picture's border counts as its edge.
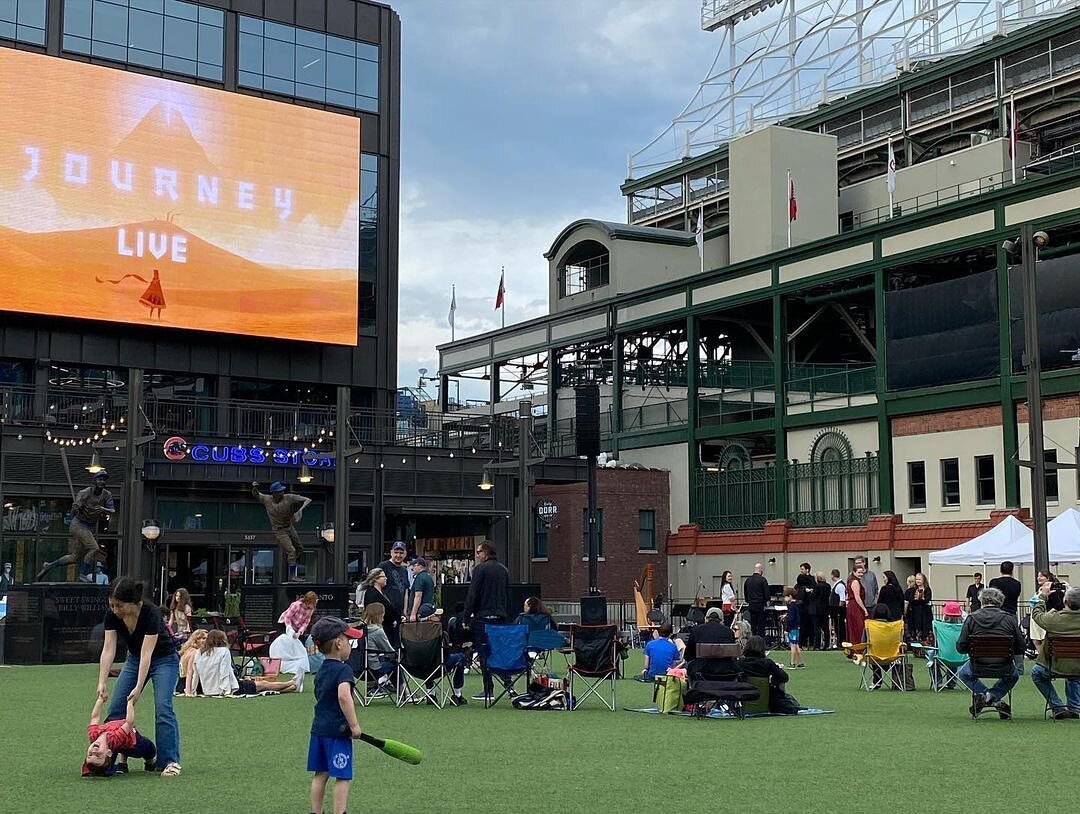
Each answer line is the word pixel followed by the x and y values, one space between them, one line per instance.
pixel 540 539
pixel 185 11
pixel 279 59
pixel 311 39
pixel 599 532
pixel 276 85
pixel 250 80
pixel 310 92
pixel 367 51
pixel 145 30
pixel 31 13
pixel 251 25
pixel 366 103
pixel 108 50
pixel 251 55
pixel 181 38
pixel 950 482
pixel 277 31
pixel 337 97
pixel 1051 479
pixel 178 65
pixel 917 485
pixel 213 72
pixel 7 30
pixel 25 33
pixel 340 74
pixel 77 18
pixel 367 78
pixel 78 45
pixel 647 530
pixel 338 45
pixel 311 66
pixel 156 6
pixel 151 59
pixel 211 45
pixel 212 16
pixel 110 23
pixel 984 479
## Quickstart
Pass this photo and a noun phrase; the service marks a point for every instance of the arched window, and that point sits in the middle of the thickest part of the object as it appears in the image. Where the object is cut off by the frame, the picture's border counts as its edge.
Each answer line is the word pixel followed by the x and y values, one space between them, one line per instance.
pixel 830 456
pixel 734 457
pixel 584 267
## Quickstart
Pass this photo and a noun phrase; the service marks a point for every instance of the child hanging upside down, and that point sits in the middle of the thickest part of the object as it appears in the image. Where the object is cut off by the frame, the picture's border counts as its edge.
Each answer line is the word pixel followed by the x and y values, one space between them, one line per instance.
pixel 113 742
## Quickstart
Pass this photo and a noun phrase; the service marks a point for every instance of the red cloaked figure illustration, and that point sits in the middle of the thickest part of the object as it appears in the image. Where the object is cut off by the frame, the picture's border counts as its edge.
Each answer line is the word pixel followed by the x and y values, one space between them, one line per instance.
pixel 154 298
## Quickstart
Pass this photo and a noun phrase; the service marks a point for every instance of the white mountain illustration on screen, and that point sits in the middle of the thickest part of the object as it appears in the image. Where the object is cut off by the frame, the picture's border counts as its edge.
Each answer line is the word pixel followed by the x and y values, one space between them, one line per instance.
pixel 164 126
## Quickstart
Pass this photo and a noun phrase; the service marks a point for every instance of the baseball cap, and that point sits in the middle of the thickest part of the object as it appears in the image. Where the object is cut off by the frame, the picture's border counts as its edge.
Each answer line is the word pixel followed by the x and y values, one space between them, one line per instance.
pixel 399 546
pixel 329 628
pixel 277 486
pixel 714 613
pixel 419 561
pixel 427 609
pixel 101 474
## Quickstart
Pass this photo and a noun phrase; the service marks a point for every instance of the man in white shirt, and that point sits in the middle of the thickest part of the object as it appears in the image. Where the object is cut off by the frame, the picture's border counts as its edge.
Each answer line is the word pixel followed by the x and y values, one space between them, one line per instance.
pixel 837 609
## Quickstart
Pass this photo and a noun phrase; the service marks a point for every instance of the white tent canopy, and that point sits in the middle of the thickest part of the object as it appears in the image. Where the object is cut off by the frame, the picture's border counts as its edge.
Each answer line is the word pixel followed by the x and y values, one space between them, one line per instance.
pixel 1008 540
pixel 1012 540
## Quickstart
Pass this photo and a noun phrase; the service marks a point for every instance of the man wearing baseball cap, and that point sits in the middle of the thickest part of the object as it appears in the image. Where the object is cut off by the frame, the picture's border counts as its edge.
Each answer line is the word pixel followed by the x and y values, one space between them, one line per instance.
pixel 397 575
pixel 284 511
pixel 422 591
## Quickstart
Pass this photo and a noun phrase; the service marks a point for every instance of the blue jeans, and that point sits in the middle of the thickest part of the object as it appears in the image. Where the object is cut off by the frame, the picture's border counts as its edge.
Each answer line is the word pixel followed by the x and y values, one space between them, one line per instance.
pixel 1040 677
pixel 164 671
pixel 998 691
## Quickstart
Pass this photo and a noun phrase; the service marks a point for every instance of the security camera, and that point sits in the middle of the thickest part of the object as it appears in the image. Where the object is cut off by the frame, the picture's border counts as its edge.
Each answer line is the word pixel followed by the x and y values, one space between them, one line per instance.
pixel 1041 240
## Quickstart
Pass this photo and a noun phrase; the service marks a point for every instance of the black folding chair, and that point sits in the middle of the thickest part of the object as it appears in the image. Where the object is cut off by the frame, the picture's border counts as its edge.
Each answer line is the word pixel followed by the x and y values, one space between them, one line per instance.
pixel 709 687
pixel 1058 649
pixel 420 664
pixel 991 656
pixel 596 662
pixel 367 687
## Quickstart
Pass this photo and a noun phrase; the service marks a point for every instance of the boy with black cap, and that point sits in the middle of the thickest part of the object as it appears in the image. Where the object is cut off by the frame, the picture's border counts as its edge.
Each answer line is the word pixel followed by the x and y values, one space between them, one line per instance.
pixel 334 724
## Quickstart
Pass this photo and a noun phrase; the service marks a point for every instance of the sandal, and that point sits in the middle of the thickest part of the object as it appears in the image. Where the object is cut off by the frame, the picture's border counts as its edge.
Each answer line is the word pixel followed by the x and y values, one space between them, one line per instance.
pixel 172 770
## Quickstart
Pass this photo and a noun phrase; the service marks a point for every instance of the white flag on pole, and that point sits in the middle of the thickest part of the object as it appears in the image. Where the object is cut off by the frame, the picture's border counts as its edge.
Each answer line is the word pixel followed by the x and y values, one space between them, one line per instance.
pixel 453 306
pixel 699 235
pixel 891 176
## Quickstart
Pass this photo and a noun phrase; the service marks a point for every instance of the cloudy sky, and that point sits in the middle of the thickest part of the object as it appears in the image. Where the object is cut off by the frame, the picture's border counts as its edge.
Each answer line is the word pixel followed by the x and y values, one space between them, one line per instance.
pixel 517 117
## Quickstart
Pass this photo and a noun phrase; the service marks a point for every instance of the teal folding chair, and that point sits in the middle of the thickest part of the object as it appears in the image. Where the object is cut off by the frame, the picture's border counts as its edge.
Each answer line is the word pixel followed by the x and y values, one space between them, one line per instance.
pixel 942 660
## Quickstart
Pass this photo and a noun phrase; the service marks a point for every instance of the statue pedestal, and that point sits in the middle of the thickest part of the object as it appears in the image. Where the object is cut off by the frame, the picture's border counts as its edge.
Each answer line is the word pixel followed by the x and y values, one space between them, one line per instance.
pixel 54 623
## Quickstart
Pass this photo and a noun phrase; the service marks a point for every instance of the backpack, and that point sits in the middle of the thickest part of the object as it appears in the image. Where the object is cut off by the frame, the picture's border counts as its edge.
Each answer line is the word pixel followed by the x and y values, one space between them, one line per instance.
pixel 834 597
pixel 668 693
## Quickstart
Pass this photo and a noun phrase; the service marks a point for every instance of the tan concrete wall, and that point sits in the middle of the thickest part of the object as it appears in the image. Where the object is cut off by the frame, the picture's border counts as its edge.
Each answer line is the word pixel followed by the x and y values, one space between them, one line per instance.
pixel 672 458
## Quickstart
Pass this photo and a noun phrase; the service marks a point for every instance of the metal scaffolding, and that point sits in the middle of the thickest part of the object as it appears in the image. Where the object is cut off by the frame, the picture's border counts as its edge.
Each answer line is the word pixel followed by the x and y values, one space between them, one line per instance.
pixel 780 57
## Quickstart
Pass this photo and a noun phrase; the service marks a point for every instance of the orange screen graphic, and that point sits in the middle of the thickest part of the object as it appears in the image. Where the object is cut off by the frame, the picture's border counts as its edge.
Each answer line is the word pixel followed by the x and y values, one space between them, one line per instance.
pixel 140 200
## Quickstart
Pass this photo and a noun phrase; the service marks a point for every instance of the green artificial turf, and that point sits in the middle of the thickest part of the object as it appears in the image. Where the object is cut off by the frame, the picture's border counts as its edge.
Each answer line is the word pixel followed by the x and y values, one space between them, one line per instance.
pixel 249 755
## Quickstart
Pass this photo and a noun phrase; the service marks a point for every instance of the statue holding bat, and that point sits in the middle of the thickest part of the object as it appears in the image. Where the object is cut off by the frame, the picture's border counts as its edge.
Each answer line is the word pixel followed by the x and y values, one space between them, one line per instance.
pixel 284 511
pixel 92 505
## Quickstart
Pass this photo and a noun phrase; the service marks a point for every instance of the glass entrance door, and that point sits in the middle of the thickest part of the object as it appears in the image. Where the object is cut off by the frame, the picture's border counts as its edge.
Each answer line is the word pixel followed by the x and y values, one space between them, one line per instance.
pixel 202 570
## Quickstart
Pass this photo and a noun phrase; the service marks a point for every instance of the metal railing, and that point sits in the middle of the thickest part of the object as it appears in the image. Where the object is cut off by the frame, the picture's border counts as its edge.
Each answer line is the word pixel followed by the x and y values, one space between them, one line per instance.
pixel 814 384
pixel 657 413
pixel 821 493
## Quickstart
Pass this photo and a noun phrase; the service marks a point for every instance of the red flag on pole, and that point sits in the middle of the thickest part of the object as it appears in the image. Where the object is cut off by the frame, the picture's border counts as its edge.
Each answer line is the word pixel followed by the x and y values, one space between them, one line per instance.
pixel 793 206
pixel 502 292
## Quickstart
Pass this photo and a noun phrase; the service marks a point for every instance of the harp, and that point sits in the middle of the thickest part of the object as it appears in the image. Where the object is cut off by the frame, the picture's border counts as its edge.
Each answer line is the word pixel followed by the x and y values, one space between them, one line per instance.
pixel 644 592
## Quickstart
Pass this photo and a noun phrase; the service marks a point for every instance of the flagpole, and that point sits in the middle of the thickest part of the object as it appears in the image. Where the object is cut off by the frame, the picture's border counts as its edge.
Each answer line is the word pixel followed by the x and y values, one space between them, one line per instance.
pixel 890 177
pixel 453 308
pixel 1012 133
pixel 502 282
pixel 787 200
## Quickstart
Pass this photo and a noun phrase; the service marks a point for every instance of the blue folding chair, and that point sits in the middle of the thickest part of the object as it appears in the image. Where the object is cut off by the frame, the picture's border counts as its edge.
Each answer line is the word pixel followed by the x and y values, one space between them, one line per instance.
pixel 507 658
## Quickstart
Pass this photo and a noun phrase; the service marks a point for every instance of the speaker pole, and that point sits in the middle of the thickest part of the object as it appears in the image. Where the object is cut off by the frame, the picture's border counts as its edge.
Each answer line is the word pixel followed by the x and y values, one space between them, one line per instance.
pixel 594 547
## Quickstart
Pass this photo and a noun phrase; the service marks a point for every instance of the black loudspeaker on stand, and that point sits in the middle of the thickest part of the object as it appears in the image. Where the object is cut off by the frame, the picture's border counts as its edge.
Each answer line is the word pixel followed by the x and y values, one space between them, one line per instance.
pixel 587 420
pixel 594 610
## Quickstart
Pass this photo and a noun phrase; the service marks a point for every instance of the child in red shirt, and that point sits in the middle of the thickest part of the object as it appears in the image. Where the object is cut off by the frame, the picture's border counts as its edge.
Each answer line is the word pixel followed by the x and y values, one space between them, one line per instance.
pixel 114 739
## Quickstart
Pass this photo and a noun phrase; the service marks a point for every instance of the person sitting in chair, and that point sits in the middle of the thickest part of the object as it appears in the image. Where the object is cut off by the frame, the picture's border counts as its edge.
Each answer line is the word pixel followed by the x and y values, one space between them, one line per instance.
pixel 754 662
pixel 711 631
pixel 990 619
pixel 1065 622
pixel 661 654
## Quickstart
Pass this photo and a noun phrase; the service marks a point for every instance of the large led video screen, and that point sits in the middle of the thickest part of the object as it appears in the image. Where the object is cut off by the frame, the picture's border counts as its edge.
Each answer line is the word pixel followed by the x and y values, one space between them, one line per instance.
pixel 135 199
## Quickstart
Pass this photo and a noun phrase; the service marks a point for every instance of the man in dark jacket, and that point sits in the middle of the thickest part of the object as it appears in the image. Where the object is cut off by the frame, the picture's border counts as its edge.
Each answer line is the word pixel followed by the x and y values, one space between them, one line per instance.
pixel 804 594
pixel 485 604
pixel 711 631
pixel 1009 586
pixel 991 620
pixel 756 594
pixel 397 575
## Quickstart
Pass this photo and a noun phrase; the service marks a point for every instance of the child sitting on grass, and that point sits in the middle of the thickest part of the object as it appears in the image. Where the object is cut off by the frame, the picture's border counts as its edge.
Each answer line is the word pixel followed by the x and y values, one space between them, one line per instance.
pixel 791 625
pixel 334 724
pixel 113 740
pixel 212 670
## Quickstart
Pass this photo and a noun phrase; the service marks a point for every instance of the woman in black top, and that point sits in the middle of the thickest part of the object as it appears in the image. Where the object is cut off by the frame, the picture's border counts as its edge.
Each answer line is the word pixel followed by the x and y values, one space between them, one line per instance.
pixel 754 662
pixel 918 614
pixel 892 596
pixel 151 655
pixel 374 587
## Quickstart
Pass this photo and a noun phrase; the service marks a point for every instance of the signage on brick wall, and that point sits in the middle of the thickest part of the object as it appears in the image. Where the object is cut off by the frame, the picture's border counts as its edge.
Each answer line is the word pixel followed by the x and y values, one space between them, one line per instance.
pixel 547 511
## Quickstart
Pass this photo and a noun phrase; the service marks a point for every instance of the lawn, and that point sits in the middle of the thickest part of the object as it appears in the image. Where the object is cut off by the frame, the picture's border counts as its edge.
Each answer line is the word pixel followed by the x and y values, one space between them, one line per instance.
pixel 249 755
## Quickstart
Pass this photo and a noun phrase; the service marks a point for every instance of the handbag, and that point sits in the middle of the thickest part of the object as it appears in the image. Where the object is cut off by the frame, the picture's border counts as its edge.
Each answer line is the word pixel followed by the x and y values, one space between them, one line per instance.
pixel 270 666
pixel 668 693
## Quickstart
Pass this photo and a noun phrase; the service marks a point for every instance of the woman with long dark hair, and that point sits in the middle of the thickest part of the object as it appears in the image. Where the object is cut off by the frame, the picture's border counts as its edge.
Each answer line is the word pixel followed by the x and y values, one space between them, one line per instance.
pixel 374 590
pixel 728 596
pixel 151 656
pixel 892 595
pixel 919 616
pixel 536 615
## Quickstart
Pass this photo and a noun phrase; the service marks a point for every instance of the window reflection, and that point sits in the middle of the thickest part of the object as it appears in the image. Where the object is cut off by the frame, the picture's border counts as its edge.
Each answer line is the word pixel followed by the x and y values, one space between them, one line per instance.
pixel 23 20
pixel 297 62
pixel 170 35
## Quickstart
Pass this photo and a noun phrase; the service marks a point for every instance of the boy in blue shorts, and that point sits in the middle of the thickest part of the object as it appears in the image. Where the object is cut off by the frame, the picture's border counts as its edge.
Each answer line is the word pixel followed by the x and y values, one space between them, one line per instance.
pixel 334 724
pixel 791 625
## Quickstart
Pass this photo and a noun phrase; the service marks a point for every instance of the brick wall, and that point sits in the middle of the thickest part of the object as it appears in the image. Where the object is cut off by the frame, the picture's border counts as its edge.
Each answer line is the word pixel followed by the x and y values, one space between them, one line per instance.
pixel 947 421
pixel 1053 408
pixel 621 493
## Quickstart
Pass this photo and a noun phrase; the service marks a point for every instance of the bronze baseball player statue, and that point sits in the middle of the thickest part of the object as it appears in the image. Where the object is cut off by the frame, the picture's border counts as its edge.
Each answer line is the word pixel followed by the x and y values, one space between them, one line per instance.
pixel 92 505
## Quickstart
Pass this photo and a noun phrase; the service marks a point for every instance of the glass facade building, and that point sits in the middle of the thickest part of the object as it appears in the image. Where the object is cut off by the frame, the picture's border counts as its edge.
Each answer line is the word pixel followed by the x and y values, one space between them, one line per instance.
pixel 23 21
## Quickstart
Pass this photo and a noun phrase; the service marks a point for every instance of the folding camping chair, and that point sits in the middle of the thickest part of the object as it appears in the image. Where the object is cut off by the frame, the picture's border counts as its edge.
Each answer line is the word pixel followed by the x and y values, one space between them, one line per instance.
pixel 420 663
pixel 882 656
pixel 367 688
pixel 1061 649
pixel 991 656
pixel 596 662
pixel 943 661
pixel 710 688
pixel 246 644
pixel 507 658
